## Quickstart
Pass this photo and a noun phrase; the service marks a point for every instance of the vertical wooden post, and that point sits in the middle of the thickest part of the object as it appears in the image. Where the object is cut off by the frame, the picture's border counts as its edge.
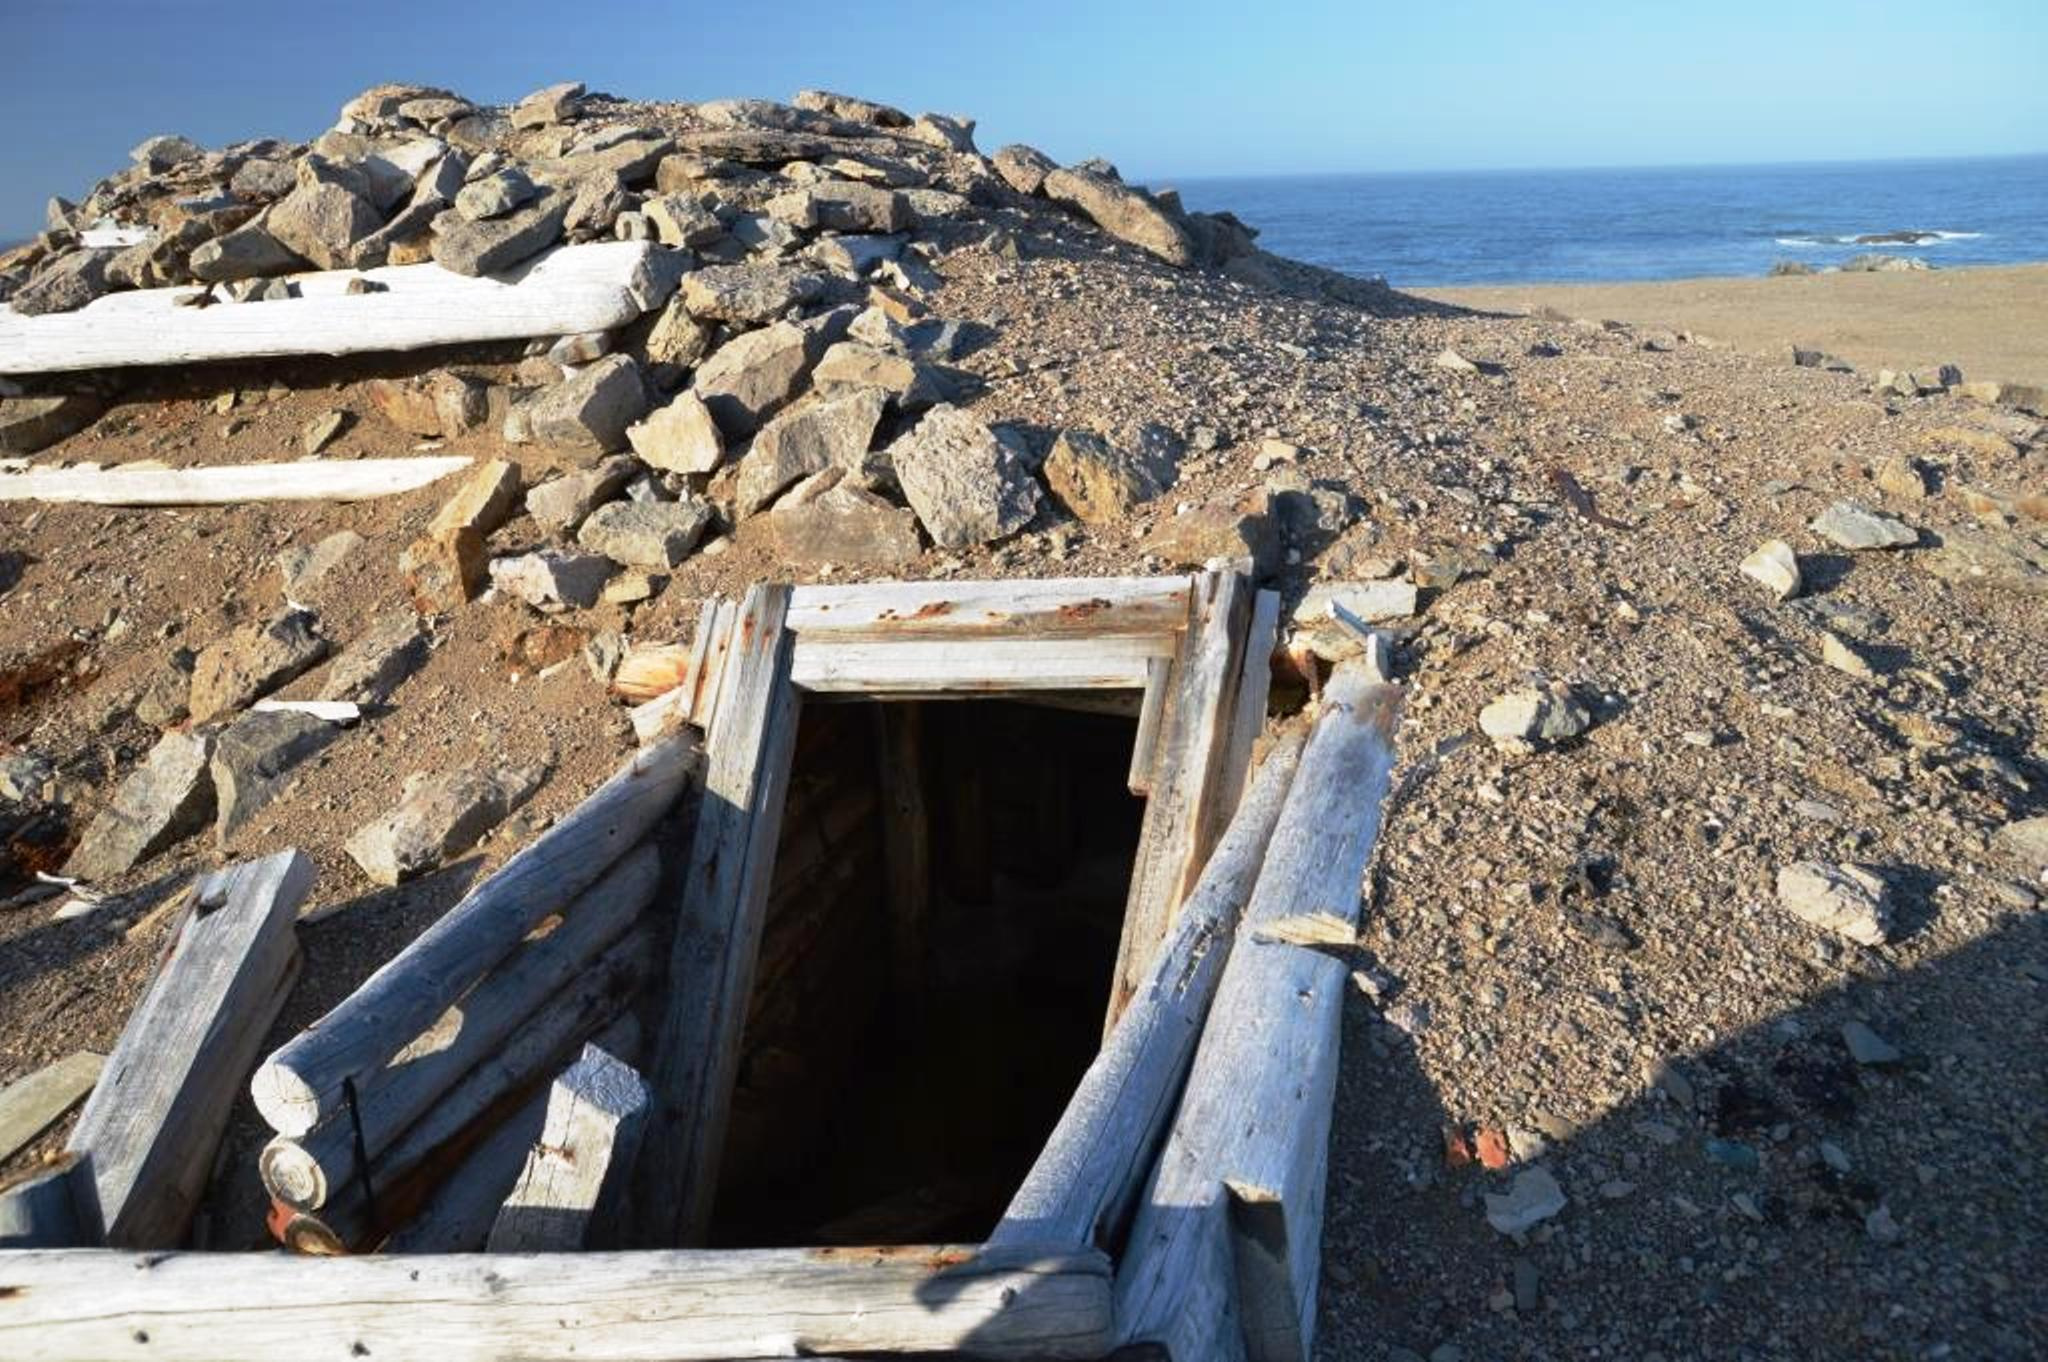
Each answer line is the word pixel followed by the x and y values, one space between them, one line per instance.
pixel 718 930
pixel 572 1181
pixel 907 852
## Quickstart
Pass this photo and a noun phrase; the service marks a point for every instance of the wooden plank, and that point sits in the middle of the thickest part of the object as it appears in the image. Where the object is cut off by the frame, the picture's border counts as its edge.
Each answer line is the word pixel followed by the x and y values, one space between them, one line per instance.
pixel 907 853
pixel 61 1306
pixel 1145 746
pixel 301 1085
pixel 573 289
pixel 1196 1277
pixel 1254 694
pixel 718 931
pixel 1185 813
pixel 304 1171
pixel 1081 1188
pixel 229 484
pixel 916 666
pixel 29 1106
pixel 574 1177
pixel 56 1208
pixel 959 611
pixel 153 1122
pixel 405 1174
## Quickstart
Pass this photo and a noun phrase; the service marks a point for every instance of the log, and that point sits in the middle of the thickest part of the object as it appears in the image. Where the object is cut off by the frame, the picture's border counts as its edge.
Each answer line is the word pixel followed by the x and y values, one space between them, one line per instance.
pixel 229 484
pixel 646 673
pixel 907 852
pixel 458 1215
pixel 56 1208
pixel 153 1122
pixel 61 1306
pixel 1224 1252
pixel 301 1084
pixel 304 1171
pixel 29 1106
pixel 405 1174
pixel 1185 813
pixel 1080 1190
pixel 690 702
pixel 974 611
pixel 564 292
pixel 574 1177
pixel 718 930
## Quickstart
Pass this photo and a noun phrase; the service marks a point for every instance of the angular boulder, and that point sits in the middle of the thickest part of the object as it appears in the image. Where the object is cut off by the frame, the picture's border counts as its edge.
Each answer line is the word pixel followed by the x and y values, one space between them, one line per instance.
pixel 1122 212
pixel 371 667
pixel 591 409
pixel 321 221
pixel 439 817
pixel 496 244
pixel 1848 900
pixel 253 661
pixel 748 295
pixel 680 437
pixel 166 798
pixel 807 439
pixel 253 759
pixel 1024 168
pixel 560 505
pixel 968 483
pixel 645 534
pixel 1098 482
pixel 844 524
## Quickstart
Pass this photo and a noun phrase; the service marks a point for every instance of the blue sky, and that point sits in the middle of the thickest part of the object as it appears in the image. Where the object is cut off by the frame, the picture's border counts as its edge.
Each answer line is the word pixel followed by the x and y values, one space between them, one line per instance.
pixel 1166 91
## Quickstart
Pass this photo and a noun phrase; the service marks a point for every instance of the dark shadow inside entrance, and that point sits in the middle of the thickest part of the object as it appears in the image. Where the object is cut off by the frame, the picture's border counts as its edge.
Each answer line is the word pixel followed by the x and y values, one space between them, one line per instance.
pixel 902 1069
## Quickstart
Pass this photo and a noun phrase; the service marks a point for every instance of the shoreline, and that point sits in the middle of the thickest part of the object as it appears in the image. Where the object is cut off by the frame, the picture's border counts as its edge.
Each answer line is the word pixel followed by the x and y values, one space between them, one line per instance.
pixel 1983 318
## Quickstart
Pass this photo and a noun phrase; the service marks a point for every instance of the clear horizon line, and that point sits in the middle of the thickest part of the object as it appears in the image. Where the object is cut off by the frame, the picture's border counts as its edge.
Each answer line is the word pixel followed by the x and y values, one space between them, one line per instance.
pixel 1607 165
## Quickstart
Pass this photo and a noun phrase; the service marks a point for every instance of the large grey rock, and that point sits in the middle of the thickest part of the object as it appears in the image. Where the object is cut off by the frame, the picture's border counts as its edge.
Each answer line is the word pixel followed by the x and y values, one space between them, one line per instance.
pixel 251 251
pixel 560 505
pixel 1099 482
pixel 550 104
pixel 679 220
pixel 646 534
pixel 751 375
pixel 854 256
pixel 252 762
pixel 1024 168
pixel 373 665
pixel 2027 839
pixel 591 409
pixel 439 817
pixel 748 294
pixel 2002 560
pixel 164 151
pixel 850 109
pixel 807 439
pixel 1122 212
pixel 65 284
pixel 1524 719
pixel 1846 899
pixel 551 582
pixel 495 194
pixel 680 437
pixel 968 483
pixel 1222 528
pixel 843 206
pixel 168 797
pixel 253 661
pixel 1851 525
pixel 944 130
pixel 844 524
pixel 321 221
pixel 495 244
pixel 28 424
pixel 908 383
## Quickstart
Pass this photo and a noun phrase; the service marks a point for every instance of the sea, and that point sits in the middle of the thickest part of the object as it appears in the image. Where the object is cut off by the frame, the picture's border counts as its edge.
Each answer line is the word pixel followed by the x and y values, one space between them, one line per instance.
pixel 1565 226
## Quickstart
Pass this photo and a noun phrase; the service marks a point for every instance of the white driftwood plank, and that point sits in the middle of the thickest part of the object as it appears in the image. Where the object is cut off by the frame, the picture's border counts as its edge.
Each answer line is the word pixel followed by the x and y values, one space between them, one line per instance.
pixel 992 609
pixel 1196 1276
pixel 592 287
pixel 29 1105
pixel 229 484
pixel 1185 812
pixel 1081 1188
pixel 304 1172
pixel 153 1122
pixel 62 1306
pixel 718 930
pixel 829 665
pixel 576 1172
pixel 301 1084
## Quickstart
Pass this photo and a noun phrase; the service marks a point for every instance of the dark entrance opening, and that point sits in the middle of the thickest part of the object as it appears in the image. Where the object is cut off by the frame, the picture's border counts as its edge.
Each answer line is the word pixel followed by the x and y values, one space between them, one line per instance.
pixel 903 1064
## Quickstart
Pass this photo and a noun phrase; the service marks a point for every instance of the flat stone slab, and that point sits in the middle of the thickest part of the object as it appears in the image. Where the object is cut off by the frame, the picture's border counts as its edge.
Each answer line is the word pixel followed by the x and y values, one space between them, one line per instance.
pixel 439 816
pixel 168 797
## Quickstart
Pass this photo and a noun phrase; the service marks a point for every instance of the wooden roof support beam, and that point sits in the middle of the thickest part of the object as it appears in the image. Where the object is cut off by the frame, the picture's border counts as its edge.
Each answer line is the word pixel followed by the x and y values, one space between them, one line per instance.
pixel 60 1305
pixel 718 931
pixel 1223 1256
pixel 1081 1189
pixel 152 1124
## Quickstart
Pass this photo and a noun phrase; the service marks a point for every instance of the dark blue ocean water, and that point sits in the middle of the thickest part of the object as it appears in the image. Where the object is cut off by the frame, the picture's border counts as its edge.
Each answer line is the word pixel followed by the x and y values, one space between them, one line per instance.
pixel 1522 226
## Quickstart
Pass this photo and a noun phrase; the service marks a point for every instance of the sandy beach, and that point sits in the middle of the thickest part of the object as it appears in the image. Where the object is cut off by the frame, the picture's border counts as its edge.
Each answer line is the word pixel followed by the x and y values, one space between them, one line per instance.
pixel 1989 321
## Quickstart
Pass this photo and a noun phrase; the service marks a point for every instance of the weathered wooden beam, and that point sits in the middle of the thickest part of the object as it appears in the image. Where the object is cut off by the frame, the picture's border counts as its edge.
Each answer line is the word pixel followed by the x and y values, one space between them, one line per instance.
pixel 1254 1122
pixel 574 1177
pixel 718 930
pixel 691 702
pixel 56 1208
pixel 303 1171
pixel 1185 813
pixel 1145 744
pixel 156 1116
pixel 573 289
pixel 229 484
pixel 301 1085
pixel 356 1217
pixel 31 1105
pixel 1254 695
pixel 924 666
pixel 62 1306
pixel 907 852
pixel 1081 1188
pixel 962 611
